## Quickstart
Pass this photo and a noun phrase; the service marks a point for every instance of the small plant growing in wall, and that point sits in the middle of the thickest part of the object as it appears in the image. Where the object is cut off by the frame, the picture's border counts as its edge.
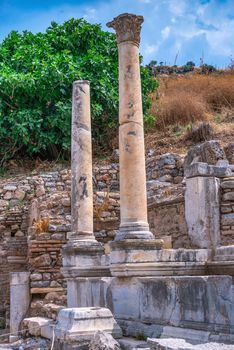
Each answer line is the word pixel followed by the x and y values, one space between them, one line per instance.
pixel 100 208
pixel 42 225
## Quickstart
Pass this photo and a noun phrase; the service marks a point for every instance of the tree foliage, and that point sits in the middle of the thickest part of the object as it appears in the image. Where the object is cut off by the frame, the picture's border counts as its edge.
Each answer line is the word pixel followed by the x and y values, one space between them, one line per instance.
pixel 36 75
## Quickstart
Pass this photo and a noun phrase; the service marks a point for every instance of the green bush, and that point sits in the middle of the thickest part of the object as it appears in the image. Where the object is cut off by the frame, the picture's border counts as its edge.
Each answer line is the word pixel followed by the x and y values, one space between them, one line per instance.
pixel 36 75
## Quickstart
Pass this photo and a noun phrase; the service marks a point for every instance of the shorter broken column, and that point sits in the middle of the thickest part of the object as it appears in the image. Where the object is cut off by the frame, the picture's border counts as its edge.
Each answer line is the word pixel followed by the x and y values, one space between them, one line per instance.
pixel 19 301
pixel 83 256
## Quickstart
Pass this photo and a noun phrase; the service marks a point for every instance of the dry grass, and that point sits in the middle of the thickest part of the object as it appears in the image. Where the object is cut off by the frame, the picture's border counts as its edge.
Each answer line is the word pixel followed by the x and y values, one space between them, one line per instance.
pixel 187 99
pixel 182 108
pixel 100 208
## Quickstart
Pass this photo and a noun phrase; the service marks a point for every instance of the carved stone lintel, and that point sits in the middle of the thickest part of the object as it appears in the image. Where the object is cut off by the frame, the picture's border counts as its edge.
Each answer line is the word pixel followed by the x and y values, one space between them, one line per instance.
pixel 127 27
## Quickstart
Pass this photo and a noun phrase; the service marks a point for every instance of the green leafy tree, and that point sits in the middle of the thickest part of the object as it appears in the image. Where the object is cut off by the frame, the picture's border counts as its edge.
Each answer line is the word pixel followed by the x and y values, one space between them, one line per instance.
pixel 207 68
pixel 36 75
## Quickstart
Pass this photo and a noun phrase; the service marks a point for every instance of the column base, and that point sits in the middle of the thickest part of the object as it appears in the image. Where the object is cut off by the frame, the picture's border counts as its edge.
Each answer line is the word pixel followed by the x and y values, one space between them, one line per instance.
pixel 84 259
pixel 132 257
pixel 134 230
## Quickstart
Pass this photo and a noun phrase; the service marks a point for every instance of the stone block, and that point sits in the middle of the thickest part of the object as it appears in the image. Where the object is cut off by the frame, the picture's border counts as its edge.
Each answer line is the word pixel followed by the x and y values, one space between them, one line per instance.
pixel 209 152
pixel 132 343
pixel 200 303
pixel 229 151
pixel 225 253
pixel 45 290
pixel 76 326
pixel 228 219
pixel 42 260
pixel 92 291
pixel 147 261
pixel 204 169
pixel 19 299
pixel 10 188
pixel 227 184
pixel 36 324
pixel 40 284
pixel 19 194
pixel 202 212
pixel 84 258
pixel 229 196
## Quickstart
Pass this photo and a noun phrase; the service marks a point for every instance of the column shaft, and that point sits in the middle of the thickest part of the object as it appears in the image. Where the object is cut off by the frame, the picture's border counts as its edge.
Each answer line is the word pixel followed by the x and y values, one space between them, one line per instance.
pixel 131 139
pixel 81 163
pixel 133 197
pixel 82 255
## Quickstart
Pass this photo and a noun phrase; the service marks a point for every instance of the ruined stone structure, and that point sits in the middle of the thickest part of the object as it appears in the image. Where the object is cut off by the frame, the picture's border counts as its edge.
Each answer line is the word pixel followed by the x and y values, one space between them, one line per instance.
pixel 158 261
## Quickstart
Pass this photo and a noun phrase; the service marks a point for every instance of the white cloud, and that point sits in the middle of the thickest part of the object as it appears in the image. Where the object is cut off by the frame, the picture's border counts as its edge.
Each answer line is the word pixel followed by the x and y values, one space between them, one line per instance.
pixel 221 40
pixel 90 13
pixel 149 49
pixel 165 32
pixel 177 8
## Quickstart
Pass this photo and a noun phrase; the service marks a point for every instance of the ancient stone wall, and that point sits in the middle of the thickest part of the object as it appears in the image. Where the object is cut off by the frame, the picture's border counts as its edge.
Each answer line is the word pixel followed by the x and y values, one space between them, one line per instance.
pixel 167 167
pixel 168 219
pixel 35 220
pixel 227 211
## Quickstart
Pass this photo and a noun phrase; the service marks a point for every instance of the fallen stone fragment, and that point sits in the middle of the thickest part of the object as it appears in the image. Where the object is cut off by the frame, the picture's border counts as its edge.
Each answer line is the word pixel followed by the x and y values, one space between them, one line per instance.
pixel 103 341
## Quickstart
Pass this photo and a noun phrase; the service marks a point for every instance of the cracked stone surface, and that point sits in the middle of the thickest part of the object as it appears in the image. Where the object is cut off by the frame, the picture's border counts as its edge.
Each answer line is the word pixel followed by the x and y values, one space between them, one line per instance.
pixel 181 344
pixel 103 341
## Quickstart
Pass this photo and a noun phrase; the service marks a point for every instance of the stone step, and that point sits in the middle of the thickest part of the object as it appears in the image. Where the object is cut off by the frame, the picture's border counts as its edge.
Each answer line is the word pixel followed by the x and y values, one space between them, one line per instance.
pixel 128 343
pixel 181 344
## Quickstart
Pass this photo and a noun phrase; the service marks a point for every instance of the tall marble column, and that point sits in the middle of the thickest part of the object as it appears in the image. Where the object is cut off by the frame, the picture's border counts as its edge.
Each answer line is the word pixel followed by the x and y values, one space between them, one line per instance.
pixel 133 198
pixel 83 256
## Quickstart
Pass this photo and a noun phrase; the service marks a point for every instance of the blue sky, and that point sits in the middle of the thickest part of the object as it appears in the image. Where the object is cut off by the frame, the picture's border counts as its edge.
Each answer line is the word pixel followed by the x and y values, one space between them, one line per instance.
pixel 187 28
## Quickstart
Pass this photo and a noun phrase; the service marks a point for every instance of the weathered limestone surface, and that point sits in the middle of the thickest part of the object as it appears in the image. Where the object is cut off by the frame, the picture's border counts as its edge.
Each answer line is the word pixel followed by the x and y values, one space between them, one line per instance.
pixel 223 261
pixel 204 169
pixel 227 211
pixel 82 255
pixel 229 150
pixel 181 344
pixel 209 152
pixel 81 163
pixel 202 211
pixel 153 261
pixel 103 341
pixel 167 218
pixel 200 302
pixel 133 201
pixel 94 291
pixel 77 326
pixel 146 305
pixel 19 301
pixel 38 326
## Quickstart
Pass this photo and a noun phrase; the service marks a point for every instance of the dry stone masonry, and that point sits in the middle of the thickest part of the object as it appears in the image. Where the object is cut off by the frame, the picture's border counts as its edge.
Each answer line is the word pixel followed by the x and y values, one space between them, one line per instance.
pixel 227 211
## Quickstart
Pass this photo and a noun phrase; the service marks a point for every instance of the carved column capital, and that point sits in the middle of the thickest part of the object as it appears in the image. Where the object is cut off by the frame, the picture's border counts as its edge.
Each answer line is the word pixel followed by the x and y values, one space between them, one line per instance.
pixel 127 27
